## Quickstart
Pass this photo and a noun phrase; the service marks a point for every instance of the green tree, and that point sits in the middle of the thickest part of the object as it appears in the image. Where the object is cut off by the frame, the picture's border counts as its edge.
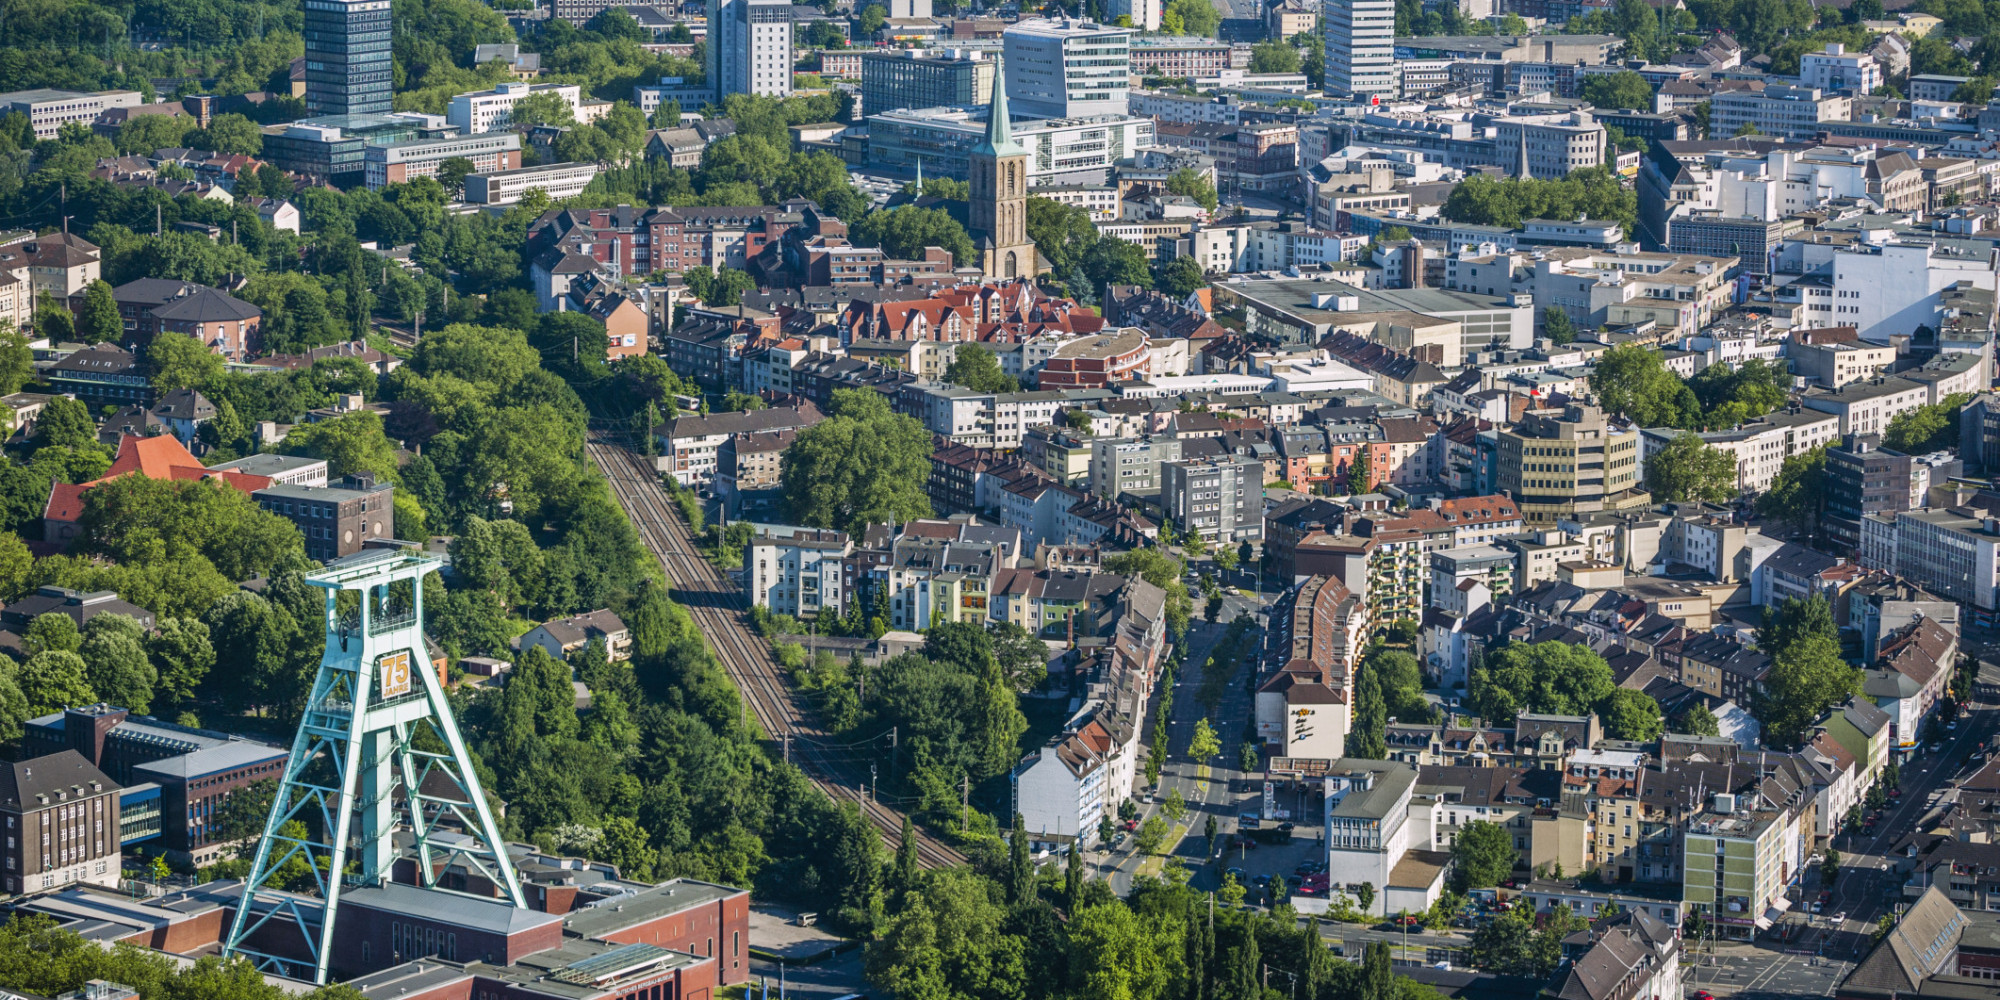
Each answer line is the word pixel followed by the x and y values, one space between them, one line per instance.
pixel 975 368
pixel 451 175
pixel 1798 494
pixel 1152 835
pixel 1179 277
pixel 52 632
pixel 1195 17
pixel 1361 472
pixel 54 680
pixel 871 19
pixel 1688 468
pixel 1482 855
pixel 229 134
pixel 1274 57
pixel 1204 743
pixel 99 321
pixel 1927 428
pixel 1549 677
pixel 948 939
pixel 182 655
pixel 903 232
pixel 1634 382
pixel 1624 90
pixel 353 443
pixel 178 361
pixel 115 662
pixel 1195 184
pixel 1557 326
pixel 17 360
pixel 862 464
pixel 1367 738
pixel 543 107
pixel 1807 677
pixel 53 320
pixel 1631 715
pixel 1697 720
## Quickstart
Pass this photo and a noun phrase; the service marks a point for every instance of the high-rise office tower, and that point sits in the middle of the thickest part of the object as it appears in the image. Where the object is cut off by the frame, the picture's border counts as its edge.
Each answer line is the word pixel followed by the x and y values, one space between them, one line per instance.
pixel 750 47
pixel 1361 48
pixel 347 57
pixel 1067 68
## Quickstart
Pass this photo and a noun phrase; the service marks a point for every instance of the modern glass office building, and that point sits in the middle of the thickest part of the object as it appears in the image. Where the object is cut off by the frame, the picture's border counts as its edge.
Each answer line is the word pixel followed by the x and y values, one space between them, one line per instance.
pixel 347 57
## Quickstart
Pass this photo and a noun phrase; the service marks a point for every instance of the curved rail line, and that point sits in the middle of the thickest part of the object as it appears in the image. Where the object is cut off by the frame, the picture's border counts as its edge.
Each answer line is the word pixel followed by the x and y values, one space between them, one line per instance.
pixel 719 610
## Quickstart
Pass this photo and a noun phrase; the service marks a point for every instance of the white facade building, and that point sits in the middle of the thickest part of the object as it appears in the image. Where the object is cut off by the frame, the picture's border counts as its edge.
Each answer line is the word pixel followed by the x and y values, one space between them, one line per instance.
pixel 797 575
pixel 505 187
pixel 1837 69
pixel 1361 48
pixel 1067 68
pixel 489 110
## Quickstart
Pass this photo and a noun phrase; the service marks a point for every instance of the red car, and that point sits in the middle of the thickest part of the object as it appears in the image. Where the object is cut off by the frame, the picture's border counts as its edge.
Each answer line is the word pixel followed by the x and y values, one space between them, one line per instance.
pixel 1407 920
pixel 1703 995
pixel 1131 824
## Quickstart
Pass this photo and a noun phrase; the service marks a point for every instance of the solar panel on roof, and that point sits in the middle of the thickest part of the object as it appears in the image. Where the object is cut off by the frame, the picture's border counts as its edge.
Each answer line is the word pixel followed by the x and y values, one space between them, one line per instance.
pixel 612 964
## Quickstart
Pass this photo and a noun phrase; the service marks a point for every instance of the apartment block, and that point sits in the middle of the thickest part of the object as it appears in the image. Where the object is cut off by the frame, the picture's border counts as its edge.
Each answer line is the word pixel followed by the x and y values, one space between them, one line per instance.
pixel 1785 112
pixel 49 110
pixel 798 574
pixel 1560 465
pixel 1222 500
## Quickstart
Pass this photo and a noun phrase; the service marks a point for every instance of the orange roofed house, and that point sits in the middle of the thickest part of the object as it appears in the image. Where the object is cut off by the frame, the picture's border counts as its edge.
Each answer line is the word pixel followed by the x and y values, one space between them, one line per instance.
pixel 336 520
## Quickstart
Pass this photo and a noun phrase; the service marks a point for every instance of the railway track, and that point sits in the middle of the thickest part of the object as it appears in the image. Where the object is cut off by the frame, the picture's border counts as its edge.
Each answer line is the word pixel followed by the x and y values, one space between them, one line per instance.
pixel 719 611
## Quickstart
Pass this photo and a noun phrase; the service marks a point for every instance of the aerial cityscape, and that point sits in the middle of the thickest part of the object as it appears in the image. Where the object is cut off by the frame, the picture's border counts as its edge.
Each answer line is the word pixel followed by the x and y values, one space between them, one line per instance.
pixel 956 500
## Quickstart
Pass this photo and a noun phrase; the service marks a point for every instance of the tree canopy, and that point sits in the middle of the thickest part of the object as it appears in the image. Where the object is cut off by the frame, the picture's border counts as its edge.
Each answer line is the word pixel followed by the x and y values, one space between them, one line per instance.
pixel 862 464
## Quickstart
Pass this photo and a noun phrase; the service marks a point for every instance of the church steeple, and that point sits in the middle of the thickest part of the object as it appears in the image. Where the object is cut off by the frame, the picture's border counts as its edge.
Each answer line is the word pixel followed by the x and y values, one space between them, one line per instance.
pixel 999 129
pixel 998 172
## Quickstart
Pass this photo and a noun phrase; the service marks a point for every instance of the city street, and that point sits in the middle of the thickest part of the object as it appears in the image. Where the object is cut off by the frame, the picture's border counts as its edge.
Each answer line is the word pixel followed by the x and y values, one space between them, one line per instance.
pixel 1208 795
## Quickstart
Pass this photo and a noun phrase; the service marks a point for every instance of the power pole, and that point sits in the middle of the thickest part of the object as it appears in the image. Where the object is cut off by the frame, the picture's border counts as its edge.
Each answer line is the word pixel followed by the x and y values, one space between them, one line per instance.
pixel 871 784
pixel 156 220
pixel 788 746
pixel 965 804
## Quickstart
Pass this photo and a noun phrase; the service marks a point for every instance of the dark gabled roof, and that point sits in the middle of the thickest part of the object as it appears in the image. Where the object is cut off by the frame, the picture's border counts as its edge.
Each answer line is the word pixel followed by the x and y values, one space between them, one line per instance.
pixel 184 404
pixel 24 783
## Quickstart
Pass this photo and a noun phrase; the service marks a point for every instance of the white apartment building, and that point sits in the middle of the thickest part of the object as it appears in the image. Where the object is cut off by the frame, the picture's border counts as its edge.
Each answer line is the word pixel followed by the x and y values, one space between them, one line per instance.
pixel 1950 555
pixel 489 110
pixel 1836 70
pixel 1060 791
pixel 1145 14
pixel 1886 289
pixel 1370 827
pixel 1785 112
pixel 798 574
pixel 1675 291
pixel 1867 407
pixel 988 419
pixel 1835 365
pixel 505 187
pixel 750 46
pixel 1361 48
pixel 49 110
pixel 1277 249
pixel 1101 202
pixel 1066 67
pixel 1224 249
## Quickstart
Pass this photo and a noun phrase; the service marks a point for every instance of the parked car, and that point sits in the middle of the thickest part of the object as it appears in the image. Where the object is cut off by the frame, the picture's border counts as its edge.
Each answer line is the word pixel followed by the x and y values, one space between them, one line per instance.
pixel 1236 873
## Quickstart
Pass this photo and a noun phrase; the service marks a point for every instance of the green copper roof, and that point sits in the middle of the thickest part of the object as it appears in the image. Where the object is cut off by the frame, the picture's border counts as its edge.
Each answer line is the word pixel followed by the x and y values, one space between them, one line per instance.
pixel 999 130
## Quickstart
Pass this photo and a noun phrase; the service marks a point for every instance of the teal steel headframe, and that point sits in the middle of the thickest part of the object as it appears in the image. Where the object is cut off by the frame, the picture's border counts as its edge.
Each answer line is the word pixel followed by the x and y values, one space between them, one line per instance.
pixel 361 765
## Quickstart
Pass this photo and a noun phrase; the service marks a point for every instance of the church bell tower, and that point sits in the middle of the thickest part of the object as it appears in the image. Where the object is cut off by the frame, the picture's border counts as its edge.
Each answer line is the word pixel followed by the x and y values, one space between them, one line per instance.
pixel 999 183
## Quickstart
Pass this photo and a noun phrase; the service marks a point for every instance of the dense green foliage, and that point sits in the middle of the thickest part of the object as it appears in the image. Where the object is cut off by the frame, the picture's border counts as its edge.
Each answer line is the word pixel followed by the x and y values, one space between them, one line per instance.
pixel 975 367
pixel 1927 428
pixel 1592 192
pixel 1690 469
pixel 862 464
pixel 1550 677
pixel 1807 674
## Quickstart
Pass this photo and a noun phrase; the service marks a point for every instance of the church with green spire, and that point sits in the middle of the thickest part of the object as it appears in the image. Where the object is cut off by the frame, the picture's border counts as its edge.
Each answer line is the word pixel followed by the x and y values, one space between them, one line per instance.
pixel 999 203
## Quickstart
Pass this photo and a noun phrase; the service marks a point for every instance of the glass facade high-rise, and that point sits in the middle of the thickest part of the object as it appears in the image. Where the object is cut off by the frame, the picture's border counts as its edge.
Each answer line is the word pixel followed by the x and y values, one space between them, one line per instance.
pixel 347 57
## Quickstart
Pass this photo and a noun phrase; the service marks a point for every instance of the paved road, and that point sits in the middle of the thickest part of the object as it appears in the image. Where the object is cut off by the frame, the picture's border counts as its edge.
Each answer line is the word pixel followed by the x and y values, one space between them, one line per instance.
pixel 1206 794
